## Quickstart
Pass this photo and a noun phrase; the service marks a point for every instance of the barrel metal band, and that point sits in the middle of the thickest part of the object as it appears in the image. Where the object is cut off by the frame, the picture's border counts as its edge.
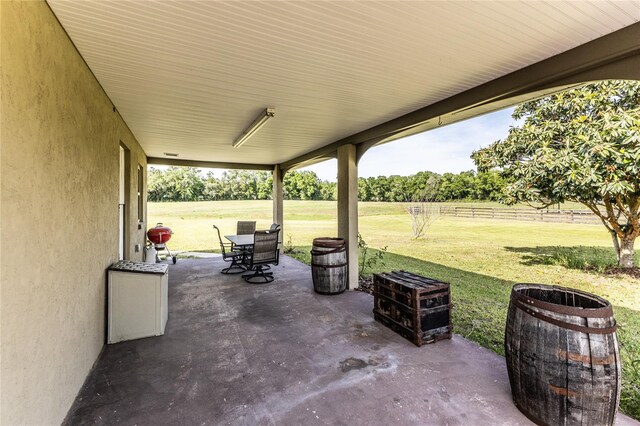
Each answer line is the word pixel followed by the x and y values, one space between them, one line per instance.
pixel 604 312
pixel 329 243
pixel 563 324
pixel 323 253
pixel 340 265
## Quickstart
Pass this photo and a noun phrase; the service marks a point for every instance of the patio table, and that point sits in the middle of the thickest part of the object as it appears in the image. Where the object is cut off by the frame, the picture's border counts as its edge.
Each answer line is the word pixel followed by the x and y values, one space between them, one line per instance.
pixel 243 243
pixel 245 240
pixel 241 240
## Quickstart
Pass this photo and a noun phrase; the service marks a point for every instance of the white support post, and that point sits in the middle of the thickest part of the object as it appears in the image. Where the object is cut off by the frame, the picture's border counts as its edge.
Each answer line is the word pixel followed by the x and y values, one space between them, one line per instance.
pixel 278 197
pixel 348 207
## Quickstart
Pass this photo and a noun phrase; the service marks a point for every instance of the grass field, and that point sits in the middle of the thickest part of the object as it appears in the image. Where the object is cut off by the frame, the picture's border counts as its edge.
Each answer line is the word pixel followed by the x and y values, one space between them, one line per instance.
pixel 481 260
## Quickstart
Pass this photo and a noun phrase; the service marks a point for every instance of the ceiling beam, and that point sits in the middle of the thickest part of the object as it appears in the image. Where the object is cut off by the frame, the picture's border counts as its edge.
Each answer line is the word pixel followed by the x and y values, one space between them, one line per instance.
pixel 207 164
pixel 613 56
pixel 311 161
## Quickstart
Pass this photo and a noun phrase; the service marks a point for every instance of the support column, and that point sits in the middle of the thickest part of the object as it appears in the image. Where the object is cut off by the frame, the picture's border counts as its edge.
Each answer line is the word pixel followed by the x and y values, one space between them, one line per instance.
pixel 348 207
pixel 278 197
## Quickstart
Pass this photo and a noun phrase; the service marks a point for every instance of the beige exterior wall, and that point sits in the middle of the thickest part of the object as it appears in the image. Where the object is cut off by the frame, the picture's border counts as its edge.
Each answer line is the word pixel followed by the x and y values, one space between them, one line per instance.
pixel 59 168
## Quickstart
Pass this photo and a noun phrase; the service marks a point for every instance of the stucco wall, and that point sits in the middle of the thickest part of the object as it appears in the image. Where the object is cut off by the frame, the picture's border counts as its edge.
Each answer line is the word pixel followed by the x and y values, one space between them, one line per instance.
pixel 59 162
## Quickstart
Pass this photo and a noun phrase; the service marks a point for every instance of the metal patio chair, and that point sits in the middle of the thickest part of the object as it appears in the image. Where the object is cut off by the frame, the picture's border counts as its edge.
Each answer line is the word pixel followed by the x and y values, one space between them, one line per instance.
pixel 265 253
pixel 273 227
pixel 233 256
pixel 246 227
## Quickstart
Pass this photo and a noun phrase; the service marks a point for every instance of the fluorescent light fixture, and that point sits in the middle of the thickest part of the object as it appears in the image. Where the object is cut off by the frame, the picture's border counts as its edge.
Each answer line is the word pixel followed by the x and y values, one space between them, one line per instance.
pixel 255 126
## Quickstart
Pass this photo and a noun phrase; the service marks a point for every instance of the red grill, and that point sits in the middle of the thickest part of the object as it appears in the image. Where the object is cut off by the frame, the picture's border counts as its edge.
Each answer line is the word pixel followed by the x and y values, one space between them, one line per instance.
pixel 158 237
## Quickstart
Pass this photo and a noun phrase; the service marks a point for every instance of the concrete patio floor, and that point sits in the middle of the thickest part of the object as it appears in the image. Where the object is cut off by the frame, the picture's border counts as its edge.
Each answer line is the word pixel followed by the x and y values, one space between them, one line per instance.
pixel 279 354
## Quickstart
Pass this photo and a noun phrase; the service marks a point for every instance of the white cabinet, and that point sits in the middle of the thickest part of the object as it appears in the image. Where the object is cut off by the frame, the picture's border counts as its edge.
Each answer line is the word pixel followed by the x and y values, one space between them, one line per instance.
pixel 138 300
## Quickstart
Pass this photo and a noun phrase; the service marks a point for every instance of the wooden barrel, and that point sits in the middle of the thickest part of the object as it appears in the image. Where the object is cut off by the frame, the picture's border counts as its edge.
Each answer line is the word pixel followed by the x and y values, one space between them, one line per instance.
pixel 562 356
pixel 329 265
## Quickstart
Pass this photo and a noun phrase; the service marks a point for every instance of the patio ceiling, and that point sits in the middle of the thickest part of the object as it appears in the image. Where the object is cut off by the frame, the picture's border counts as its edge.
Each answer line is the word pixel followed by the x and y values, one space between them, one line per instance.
pixel 189 77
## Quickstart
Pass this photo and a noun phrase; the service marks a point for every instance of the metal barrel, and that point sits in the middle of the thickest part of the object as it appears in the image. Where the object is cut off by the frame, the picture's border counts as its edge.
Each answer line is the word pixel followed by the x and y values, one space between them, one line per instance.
pixel 562 356
pixel 329 265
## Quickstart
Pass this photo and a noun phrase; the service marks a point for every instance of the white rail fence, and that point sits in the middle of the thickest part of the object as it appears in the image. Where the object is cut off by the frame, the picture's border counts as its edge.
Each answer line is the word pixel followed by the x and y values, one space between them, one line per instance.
pixel 543 215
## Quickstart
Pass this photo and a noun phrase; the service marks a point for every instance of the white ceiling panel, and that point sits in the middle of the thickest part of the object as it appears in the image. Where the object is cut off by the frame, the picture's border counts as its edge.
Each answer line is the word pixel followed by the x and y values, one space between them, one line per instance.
pixel 189 76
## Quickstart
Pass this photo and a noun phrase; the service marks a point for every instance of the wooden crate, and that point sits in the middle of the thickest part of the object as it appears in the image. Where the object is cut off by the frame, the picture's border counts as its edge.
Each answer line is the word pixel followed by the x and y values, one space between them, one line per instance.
pixel 416 307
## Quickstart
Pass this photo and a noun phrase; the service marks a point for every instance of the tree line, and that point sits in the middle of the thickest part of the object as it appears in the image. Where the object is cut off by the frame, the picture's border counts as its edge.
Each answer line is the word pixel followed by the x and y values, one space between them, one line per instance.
pixel 189 184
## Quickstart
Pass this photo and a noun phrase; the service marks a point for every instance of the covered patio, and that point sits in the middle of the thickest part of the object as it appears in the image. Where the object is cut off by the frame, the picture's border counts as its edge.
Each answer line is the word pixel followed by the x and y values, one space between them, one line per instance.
pixel 93 92
pixel 278 353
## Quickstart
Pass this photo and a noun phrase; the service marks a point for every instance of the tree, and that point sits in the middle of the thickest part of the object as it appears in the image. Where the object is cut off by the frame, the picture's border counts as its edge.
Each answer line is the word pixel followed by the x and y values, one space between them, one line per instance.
pixel 459 186
pixel 187 184
pixel 328 191
pixel 397 188
pixel 424 185
pixel 421 208
pixel 175 184
pixel 303 185
pixel 155 184
pixel 379 188
pixel 579 145
pixel 214 189
pixel 488 186
pixel 264 182
pixel 364 189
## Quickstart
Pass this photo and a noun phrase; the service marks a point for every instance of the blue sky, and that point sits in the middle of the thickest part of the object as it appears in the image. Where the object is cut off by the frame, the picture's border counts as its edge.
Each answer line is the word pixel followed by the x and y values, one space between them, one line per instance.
pixel 446 149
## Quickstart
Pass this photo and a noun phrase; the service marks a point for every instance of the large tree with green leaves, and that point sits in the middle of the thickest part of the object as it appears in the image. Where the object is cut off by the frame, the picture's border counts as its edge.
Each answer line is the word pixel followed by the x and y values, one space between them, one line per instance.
pixel 175 184
pixel 578 145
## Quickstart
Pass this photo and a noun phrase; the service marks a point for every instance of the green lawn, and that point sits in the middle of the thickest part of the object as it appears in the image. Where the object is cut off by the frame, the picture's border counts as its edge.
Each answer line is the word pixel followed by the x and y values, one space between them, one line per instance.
pixel 481 259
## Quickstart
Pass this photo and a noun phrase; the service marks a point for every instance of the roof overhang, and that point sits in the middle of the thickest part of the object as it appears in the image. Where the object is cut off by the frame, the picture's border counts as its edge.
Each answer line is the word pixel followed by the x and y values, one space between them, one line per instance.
pixel 189 77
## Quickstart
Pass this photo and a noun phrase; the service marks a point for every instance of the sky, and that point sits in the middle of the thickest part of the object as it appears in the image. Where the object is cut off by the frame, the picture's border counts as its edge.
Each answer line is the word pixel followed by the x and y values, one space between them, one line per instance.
pixel 442 150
